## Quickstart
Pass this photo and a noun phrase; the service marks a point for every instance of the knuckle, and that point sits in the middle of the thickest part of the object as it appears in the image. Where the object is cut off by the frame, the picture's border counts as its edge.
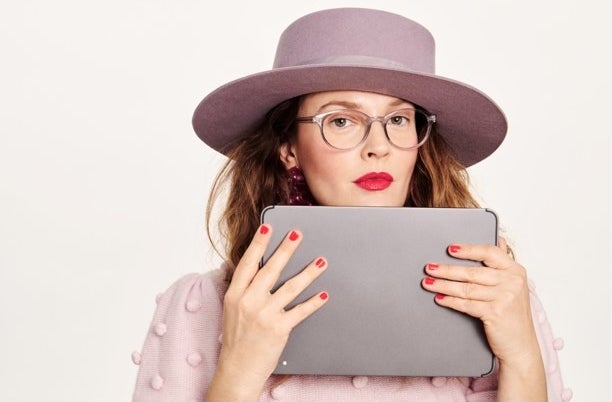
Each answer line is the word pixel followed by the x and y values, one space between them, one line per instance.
pixel 262 317
pixel 507 297
pixel 498 312
pixel 521 271
pixel 241 304
pixel 491 249
pixel 472 273
pixel 248 260
pixel 247 308
pixel 253 251
pixel 280 328
pixel 466 305
pixel 467 289
pixel 258 241
pixel 518 281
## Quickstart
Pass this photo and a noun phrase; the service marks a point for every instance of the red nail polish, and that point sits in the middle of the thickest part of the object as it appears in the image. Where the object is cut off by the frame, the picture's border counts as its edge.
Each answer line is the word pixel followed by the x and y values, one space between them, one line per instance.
pixel 293 235
pixel 454 248
pixel 263 229
pixel 320 262
pixel 440 296
pixel 432 267
pixel 429 281
pixel 323 296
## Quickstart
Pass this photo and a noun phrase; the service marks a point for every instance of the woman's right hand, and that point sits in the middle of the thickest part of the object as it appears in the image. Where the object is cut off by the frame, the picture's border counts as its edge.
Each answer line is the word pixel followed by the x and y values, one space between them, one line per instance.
pixel 256 325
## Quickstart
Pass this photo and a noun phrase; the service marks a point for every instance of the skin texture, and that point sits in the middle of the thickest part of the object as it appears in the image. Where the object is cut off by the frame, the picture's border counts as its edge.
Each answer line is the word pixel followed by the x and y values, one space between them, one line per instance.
pixel 255 324
pixel 330 172
pixel 496 293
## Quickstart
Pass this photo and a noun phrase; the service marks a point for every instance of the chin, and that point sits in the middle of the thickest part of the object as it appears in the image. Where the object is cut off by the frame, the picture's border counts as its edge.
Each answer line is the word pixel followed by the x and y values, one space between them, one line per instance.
pixel 367 202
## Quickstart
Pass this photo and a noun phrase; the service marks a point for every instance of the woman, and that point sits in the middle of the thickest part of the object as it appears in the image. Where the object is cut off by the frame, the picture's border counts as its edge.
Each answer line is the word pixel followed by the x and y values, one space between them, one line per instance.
pixel 351 114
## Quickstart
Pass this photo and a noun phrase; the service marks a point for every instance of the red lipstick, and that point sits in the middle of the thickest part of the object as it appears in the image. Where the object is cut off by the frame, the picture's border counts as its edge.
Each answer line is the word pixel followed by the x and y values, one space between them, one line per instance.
pixel 374 181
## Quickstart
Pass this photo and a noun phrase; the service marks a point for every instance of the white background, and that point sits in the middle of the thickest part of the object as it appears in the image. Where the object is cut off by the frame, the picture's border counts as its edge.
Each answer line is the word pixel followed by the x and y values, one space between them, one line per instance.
pixel 103 182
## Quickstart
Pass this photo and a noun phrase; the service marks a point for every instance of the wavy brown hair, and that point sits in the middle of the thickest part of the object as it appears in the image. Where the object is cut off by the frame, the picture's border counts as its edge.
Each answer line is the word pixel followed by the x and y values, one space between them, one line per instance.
pixel 255 178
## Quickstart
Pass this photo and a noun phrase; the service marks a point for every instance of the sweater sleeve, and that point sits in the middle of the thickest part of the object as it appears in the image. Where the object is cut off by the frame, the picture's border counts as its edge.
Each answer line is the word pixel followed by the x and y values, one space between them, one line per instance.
pixel 485 388
pixel 181 347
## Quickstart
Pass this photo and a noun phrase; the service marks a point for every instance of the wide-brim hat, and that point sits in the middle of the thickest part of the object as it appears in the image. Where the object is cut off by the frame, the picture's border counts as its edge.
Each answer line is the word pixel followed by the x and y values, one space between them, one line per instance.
pixel 355 49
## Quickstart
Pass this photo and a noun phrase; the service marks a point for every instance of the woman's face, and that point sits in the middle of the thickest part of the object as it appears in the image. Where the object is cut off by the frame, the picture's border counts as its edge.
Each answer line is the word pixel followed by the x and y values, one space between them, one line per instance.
pixel 375 173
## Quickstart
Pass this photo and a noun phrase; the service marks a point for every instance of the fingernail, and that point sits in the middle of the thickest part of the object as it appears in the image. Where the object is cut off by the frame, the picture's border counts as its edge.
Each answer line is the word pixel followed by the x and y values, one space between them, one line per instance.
pixel 293 235
pixel 320 262
pixel 440 296
pixel 454 248
pixel 263 229
pixel 429 281
pixel 323 296
pixel 432 267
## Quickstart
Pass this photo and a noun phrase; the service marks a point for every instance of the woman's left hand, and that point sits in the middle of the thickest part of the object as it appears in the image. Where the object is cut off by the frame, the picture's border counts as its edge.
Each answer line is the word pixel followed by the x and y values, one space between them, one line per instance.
pixel 496 293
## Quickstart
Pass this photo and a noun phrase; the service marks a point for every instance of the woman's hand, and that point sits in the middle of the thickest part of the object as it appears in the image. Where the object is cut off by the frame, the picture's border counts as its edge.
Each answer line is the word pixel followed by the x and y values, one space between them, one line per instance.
pixel 256 325
pixel 496 293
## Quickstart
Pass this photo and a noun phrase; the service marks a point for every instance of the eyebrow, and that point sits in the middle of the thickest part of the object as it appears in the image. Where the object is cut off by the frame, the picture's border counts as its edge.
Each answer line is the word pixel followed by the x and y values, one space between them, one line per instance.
pixel 349 105
pixel 352 105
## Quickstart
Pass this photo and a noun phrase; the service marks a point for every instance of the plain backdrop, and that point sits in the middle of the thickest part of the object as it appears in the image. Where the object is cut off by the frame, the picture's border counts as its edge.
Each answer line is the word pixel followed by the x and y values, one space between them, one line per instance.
pixel 103 183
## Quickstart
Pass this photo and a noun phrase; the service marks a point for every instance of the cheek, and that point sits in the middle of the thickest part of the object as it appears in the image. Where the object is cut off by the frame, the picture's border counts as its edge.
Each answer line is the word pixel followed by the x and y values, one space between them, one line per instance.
pixel 410 164
pixel 321 165
pixel 312 155
pixel 326 170
pixel 404 169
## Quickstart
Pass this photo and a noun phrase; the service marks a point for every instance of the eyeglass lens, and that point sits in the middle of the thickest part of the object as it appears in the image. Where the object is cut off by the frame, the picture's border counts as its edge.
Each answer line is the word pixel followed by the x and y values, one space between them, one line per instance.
pixel 345 129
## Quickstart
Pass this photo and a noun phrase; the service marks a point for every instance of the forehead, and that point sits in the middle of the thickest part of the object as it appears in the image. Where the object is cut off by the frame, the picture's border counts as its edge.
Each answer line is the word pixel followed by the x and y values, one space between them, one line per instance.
pixel 352 99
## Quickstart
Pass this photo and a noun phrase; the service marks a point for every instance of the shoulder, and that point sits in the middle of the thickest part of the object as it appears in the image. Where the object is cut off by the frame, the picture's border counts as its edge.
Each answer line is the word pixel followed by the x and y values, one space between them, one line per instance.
pixel 181 346
pixel 194 290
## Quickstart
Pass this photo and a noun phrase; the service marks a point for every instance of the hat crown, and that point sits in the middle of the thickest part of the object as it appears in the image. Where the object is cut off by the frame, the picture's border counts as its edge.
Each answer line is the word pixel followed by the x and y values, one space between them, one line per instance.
pixel 355 49
pixel 357 36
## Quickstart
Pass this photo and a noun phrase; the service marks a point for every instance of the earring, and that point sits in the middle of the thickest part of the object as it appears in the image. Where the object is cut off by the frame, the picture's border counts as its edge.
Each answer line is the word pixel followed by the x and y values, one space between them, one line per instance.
pixel 299 193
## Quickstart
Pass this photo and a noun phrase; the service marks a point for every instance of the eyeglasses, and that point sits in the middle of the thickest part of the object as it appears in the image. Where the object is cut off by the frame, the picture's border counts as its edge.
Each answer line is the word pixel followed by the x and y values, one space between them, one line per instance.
pixel 346 129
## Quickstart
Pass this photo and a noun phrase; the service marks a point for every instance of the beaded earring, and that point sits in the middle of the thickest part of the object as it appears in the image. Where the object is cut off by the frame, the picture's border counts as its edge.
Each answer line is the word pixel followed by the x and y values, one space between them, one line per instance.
pixel 299 193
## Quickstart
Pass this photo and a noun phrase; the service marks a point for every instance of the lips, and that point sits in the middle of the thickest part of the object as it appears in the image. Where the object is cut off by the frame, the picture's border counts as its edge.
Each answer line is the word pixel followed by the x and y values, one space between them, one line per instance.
pixel 374 181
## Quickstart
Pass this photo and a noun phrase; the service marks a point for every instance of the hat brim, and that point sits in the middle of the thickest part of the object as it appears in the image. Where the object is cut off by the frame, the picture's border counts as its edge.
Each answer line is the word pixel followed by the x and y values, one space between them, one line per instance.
pixel 470 122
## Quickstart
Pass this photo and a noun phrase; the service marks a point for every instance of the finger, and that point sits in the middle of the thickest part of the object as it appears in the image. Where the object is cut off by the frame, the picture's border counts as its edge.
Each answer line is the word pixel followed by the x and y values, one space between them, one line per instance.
pixel 304 310
pixel 268 274
pixel 490 255
pixel 462 290
pixel 474 308
pixel 472 274
pixel 502 244
pixel 296 285
pixel 248 266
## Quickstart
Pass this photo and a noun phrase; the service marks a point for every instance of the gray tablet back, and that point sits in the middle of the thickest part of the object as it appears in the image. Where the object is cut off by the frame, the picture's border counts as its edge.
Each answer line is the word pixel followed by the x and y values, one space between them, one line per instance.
pixel 378 319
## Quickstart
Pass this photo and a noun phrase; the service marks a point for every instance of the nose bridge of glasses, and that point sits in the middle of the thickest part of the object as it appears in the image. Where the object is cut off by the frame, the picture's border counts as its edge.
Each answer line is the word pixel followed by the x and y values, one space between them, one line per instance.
pixel 370 132
pixel 380 119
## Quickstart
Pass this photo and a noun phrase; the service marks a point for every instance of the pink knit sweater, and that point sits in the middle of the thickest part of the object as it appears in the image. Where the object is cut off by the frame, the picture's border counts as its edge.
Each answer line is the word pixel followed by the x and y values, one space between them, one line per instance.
pixel 181 349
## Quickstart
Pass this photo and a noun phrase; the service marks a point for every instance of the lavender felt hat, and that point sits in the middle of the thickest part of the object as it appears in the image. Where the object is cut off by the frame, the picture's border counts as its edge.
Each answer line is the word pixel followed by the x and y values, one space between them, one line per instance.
pixel 355 49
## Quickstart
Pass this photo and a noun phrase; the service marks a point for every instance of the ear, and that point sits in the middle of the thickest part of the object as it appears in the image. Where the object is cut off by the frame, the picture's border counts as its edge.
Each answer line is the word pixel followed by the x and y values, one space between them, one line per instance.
pixel 286 153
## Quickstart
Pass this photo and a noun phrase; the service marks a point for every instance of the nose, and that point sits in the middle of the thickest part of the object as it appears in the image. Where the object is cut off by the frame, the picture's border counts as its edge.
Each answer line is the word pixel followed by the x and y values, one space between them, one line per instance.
pixel 376 144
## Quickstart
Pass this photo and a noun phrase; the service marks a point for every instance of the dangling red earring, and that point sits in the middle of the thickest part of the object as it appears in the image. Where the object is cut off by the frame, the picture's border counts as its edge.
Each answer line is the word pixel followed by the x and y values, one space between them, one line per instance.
pixel 299 193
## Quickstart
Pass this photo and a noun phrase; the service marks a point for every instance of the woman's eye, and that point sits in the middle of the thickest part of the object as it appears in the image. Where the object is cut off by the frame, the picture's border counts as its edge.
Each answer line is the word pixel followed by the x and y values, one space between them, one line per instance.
pixel 344 120
pixel 339 122
pixel 399 120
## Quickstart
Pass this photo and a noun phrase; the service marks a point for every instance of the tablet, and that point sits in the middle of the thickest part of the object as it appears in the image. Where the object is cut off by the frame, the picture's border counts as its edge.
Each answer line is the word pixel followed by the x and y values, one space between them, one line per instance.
pixel 378 319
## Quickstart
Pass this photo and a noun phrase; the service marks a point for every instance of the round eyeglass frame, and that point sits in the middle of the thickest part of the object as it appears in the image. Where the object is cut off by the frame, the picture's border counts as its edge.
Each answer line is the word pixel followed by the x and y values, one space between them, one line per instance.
pixel 319 118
